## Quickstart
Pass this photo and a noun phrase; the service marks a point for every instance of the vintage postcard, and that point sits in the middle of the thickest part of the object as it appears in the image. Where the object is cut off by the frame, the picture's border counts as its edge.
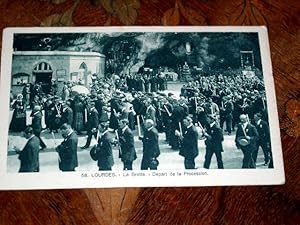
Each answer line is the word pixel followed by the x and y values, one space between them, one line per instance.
pixel 89 107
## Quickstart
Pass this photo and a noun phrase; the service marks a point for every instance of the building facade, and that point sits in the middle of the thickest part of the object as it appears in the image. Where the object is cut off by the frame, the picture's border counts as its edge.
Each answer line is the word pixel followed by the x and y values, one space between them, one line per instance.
pixel 46 66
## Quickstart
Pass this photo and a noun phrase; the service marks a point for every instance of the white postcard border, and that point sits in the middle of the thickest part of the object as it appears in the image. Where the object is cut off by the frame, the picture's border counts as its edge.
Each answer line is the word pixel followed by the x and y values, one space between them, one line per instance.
pixel 171 178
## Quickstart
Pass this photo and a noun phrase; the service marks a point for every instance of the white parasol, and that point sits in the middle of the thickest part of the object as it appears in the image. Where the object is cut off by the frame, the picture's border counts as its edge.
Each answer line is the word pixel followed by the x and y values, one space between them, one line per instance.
pixel 80 89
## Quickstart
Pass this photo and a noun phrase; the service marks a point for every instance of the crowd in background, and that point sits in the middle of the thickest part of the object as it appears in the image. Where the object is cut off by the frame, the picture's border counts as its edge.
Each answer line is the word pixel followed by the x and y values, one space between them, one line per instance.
pixel 142 98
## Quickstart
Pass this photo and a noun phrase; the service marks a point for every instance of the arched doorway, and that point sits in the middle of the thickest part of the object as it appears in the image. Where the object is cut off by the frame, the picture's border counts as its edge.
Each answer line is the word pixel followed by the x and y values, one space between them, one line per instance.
pixel 43 74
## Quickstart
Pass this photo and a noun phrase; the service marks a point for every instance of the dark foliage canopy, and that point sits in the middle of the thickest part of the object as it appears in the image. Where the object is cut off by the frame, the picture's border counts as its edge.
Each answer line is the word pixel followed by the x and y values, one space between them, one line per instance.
pixel 213 50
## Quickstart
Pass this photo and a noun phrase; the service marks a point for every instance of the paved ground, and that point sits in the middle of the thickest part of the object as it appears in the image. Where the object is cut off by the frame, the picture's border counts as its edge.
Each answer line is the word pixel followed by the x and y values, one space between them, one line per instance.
pixel 169 159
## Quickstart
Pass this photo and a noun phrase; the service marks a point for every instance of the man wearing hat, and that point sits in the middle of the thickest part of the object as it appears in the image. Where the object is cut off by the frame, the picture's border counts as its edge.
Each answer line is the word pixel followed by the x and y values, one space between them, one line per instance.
pixel 213 142
pixel 92 124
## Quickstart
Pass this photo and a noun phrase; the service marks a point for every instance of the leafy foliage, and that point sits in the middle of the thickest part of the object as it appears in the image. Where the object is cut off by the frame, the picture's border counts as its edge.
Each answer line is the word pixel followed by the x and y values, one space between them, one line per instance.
pixel 215 50
pixel 60 19
pixel 125 10
pixel 172 16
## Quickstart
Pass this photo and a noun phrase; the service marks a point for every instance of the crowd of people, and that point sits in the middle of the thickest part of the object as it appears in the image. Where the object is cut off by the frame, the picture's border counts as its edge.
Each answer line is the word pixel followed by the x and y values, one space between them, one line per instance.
pixel 119 105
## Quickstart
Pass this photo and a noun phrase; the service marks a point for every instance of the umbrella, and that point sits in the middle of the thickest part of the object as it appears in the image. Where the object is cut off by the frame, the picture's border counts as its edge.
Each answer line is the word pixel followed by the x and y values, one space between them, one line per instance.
pixel 80 89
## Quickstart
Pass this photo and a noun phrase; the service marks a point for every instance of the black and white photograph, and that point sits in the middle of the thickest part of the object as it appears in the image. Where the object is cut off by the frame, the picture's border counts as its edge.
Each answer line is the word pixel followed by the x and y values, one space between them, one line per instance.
pixel 175 104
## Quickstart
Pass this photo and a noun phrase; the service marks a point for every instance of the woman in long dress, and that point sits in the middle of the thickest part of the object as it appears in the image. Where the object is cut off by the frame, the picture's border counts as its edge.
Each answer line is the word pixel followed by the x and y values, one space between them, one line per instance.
pixel 18 121
pixel 79 110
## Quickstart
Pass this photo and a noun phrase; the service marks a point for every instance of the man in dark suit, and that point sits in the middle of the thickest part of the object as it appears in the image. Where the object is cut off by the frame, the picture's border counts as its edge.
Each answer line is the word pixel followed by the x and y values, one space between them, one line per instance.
pixel 246 133
pixel 214 138
pixel 115 109
pixel 264 139
pixel 36 124
pixel 150 112
pixel 99 103
pixel 194 104
pixel 55 112
pixel 226 113
pixel 211 108
pixel 126 141
pixel 189 143
pixel 103 153
pixel 29 156
pixel 92 125
pixel 166 112
pixel 150 146
pixel 177 117
pixel 67 113
pixel 67 150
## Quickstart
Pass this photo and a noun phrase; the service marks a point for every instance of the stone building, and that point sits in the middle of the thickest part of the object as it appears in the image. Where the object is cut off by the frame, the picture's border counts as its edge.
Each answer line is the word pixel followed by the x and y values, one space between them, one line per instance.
pixel 45 66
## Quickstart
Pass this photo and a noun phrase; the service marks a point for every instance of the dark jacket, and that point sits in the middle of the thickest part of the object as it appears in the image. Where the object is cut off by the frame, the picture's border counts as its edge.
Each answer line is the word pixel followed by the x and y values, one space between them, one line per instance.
pixel 228 109
pixel 214 141
pixel 104 150
pixel 150 114
pixel 55 118
pixel 116 106
pixel 178 114
pixel 126 140
pixel 98 105
pixel 263 131
pixel 150 144
pixel 29 156
pixel 93 120
pixel 67 151
pixel 36 123
pixel 189 144
pixel 67 116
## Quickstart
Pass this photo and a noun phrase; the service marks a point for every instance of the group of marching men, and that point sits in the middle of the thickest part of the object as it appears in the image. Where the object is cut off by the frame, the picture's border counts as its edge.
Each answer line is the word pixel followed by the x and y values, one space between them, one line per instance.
pixel 111 116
